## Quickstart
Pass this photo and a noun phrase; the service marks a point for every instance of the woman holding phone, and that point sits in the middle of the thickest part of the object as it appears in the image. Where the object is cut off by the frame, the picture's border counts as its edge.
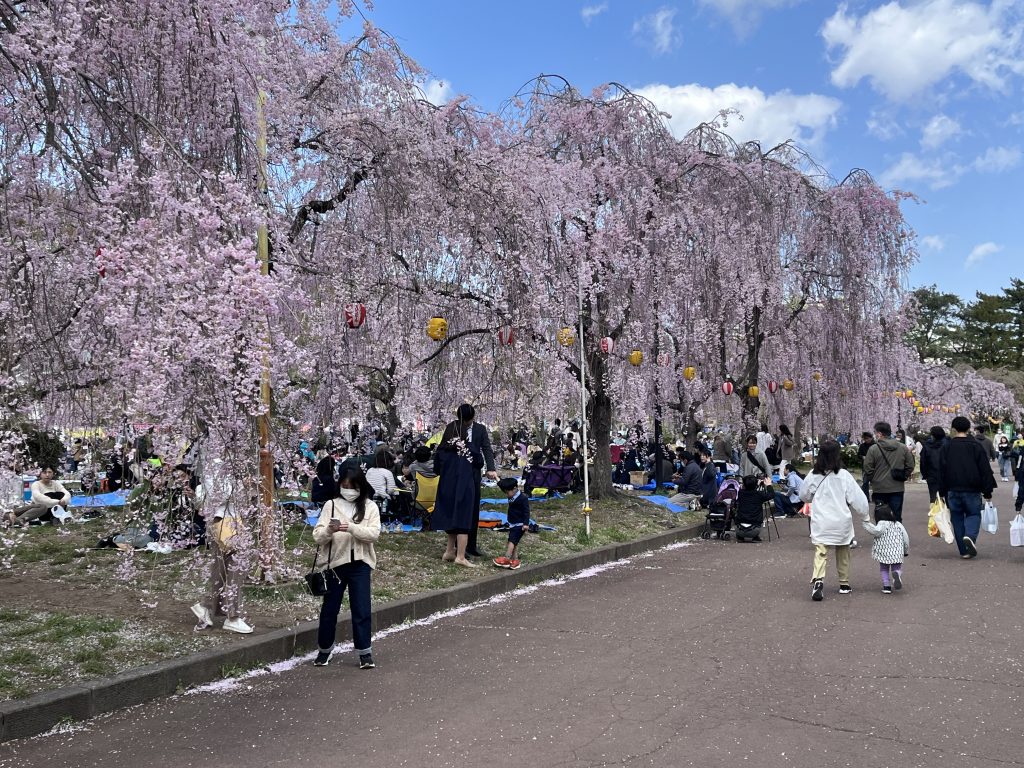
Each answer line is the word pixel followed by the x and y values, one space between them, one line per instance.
pixel 345 533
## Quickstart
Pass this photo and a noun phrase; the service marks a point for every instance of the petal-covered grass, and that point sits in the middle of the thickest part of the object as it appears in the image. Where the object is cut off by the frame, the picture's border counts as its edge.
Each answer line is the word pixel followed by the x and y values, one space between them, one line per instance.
pixel 73 612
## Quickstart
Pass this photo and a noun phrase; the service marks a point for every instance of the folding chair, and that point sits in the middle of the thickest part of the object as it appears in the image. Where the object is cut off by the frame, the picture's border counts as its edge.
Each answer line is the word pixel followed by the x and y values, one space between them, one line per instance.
pixel 425 496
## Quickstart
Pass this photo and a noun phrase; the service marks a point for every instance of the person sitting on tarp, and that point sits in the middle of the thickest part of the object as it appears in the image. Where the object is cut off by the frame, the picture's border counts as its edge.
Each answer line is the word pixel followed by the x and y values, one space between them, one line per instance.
pixel 48 495
pixel 322 487
pixel 689 482
pixel 422 463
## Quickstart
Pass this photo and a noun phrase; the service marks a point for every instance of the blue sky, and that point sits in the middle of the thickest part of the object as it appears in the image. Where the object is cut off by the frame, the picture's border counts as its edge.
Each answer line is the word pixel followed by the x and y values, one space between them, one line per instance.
pixel 927 95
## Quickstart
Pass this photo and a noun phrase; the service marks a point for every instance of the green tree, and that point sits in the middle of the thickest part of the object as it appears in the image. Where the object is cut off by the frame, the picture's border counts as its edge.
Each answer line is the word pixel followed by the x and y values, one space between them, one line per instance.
pixel 985 332
pixel 938 324
pixel 1014 339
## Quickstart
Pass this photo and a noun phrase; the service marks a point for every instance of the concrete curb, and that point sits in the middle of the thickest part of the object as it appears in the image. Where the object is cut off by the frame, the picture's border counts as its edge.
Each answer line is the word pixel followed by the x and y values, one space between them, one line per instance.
pixel 39 713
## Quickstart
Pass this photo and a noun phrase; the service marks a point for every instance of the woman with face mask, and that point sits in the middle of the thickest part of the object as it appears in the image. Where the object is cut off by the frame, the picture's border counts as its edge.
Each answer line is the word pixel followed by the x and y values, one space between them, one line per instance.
pixel 344 535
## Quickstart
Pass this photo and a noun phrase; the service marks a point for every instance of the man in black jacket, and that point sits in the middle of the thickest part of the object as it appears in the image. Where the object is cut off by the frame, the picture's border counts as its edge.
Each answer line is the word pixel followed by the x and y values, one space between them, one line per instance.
pixel 930 460
pixel 965 477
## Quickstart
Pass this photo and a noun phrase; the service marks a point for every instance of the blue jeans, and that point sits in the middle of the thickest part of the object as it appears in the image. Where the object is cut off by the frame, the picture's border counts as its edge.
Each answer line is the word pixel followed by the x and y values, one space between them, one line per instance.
pixel 1005 467
pixel 895 502
pixel 965 515
pixel 355 576
pixel 783 505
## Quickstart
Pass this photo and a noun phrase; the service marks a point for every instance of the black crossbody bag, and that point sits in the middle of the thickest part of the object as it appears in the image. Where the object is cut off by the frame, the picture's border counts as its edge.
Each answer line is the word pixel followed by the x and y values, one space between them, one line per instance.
pixel 896 473
pixel 318 583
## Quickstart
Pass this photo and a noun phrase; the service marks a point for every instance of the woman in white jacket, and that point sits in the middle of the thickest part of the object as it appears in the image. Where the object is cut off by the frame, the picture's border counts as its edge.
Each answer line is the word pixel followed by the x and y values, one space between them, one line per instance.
pixel 345 534
pixel 835 497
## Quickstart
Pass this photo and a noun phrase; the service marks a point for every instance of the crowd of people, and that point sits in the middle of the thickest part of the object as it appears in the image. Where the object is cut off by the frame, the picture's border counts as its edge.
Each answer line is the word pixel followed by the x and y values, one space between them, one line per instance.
pixel 364 487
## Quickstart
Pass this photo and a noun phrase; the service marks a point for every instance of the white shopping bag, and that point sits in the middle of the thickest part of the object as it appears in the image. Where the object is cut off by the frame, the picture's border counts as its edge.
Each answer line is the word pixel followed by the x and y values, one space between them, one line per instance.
pixel 60 514
pixel 1017 531
pixel 990 518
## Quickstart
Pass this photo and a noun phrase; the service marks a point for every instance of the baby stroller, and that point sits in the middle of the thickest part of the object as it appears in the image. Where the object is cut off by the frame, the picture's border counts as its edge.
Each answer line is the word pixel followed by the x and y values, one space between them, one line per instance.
pixel 718 520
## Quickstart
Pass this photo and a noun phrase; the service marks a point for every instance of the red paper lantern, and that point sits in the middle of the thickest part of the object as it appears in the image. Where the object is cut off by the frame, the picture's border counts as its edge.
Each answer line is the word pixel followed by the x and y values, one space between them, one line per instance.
pixel 507 336
pixel 607 345
pixel 773 386
pixel 727 388
pixel 355 314
pixel 664 359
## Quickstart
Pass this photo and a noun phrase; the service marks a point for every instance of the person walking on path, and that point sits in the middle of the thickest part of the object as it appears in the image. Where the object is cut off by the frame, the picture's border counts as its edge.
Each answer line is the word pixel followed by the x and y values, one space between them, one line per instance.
pixel 930 460
pixel 835 497
pixel 965 477
pixel 981 435
pixel 345 536
pixel 457 505
pixel 892 544
pixel 1003 449
pixel 888 464
pixel 867 440
pixel 224 526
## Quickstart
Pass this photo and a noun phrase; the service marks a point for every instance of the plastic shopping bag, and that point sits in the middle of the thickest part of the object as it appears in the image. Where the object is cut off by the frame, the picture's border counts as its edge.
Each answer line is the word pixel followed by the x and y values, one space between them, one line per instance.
pixel 1017 531
pixel 990 518
pixel 938 518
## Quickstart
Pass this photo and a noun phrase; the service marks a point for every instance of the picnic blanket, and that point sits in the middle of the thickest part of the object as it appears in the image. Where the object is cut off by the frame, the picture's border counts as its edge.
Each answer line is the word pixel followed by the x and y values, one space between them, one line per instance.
pixel 499 520
pixel 662 501
pixel 532 498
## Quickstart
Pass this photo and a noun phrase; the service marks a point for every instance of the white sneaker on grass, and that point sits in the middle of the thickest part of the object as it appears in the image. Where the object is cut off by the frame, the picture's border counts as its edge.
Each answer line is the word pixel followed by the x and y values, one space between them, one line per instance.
pixel 237 625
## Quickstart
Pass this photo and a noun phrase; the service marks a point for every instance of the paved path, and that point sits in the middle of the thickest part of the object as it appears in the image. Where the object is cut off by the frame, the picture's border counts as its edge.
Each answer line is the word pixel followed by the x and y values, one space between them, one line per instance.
pixel 707 655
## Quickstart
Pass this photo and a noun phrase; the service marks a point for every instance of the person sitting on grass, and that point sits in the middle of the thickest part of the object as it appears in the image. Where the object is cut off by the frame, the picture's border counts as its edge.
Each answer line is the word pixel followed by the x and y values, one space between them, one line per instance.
pixel 750 507
pixel 518 521
pixel 47 494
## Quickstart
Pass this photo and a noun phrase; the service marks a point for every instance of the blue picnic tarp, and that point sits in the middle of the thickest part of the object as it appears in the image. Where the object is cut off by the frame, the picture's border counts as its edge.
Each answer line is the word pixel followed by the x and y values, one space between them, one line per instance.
pixel 532 498
pixel 502 519
pixel 662 501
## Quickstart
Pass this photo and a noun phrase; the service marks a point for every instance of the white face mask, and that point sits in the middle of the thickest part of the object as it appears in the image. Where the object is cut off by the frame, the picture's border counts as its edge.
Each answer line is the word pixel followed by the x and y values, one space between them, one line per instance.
pixel 349 494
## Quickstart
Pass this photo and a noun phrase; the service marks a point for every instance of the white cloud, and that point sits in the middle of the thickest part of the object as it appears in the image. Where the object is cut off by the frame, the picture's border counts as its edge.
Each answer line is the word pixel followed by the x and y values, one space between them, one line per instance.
pixel 937 172
pixel 657 31
pixel 769 118
pixel 997 160
pixel 941 171
pixel 905 48
pixel 979 252
pixel 933 243
pixel 883 126
pixel 437 92
pixel 589 12
pixel 938 131
pixel 744 15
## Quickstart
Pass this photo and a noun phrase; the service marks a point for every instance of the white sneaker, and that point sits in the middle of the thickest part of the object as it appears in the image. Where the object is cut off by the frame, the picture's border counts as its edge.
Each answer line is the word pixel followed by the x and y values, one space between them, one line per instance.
pixel 203 614
pixel 237 625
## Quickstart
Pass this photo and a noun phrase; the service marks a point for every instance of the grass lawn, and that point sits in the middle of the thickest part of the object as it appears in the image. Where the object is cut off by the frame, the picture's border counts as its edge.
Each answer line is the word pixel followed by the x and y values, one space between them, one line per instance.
pixel 71 614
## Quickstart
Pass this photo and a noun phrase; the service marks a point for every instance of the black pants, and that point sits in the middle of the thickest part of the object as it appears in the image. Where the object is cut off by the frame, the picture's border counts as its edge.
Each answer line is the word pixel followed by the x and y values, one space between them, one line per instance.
pixel 933 488
pixel 471 545
pixel 355 576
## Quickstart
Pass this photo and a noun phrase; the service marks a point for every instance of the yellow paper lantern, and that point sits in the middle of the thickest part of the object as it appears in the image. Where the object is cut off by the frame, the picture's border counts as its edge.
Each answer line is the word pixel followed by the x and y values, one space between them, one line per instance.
pixel 437 328
pixel 787 384
pixel 816 376
pixel 753 391
pixel 636 357
pixel 920 408
pixel 689 373
pixel 566 337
